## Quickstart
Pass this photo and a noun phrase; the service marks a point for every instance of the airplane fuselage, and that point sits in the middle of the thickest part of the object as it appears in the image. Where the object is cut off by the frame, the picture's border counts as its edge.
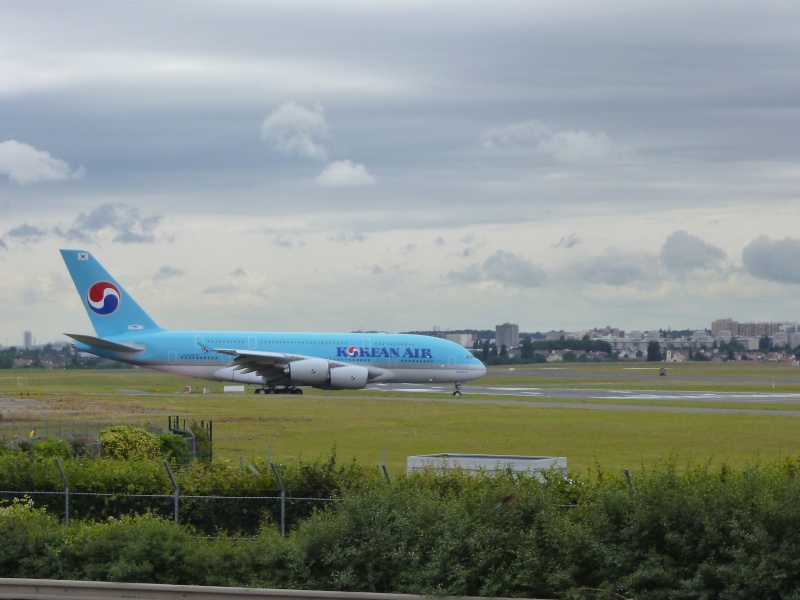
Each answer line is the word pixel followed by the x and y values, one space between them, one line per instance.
pixel 388 357
pixel 339 361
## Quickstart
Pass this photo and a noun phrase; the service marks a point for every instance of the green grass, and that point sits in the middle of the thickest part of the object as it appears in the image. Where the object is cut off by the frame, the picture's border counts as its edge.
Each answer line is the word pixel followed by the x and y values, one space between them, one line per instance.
pixel 363 423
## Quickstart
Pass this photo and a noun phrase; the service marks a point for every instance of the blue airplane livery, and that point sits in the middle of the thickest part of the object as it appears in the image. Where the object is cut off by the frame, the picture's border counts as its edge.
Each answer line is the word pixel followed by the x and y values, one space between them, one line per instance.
pixel 275 362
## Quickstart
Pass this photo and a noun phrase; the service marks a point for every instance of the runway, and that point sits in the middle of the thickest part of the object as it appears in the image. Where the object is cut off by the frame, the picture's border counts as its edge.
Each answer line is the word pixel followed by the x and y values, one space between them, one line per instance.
pixel 592 399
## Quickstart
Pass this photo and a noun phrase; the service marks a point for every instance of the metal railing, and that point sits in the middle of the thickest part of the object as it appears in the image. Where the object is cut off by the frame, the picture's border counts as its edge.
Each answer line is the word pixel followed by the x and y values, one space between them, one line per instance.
pixel 41 589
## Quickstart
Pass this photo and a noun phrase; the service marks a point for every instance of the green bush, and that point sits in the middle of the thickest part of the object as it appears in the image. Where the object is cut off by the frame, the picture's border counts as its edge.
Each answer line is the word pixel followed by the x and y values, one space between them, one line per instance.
pixel 175 448
pixel 680 531
pixel 127 441
pixel 51 448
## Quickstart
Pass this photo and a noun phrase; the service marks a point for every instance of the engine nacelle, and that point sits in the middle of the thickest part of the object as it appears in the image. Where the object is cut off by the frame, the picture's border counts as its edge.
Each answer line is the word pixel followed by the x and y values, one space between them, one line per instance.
pixel 310 371
pixel 348 378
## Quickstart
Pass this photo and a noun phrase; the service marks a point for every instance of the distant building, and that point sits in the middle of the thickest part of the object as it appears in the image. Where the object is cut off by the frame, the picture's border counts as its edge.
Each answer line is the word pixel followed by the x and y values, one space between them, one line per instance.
pixel 553 335
pixel 28 337
pixel 463 339
pixel 507 335
pixel 720 326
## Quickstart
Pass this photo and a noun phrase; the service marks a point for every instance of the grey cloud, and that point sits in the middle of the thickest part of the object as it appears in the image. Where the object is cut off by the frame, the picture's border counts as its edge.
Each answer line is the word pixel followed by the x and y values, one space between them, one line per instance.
pixel 472 274
pixel 616 267
pixel 503 267
pixel 683 252
pixel 773 260
pixel 220 289
pixel 240 272
pixel 121 221
pixel 168 273
pixel 27 232
pixel 283 242
pixel 347 238
pixel 568 241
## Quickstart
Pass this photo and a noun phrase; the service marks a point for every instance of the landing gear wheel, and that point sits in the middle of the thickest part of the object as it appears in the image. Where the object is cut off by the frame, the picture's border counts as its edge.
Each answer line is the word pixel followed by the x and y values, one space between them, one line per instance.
pixel 457 391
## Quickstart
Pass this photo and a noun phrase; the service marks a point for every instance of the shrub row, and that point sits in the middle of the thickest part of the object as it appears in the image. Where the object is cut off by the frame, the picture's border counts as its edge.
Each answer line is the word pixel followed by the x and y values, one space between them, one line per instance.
pixel 215 496
pixel 690 532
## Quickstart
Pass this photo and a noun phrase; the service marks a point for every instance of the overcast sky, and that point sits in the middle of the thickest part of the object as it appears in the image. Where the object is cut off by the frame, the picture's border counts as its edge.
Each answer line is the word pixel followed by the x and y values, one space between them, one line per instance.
pixel 399 165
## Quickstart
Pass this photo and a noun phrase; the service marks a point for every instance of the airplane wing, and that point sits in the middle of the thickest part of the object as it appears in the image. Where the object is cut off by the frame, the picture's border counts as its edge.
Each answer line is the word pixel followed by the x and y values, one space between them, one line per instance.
pixel 265 364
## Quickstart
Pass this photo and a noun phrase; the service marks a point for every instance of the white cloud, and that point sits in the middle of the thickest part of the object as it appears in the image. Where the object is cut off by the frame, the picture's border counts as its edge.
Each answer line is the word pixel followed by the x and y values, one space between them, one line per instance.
pixel 516 134
pixel 345 173
pixel 296 130
pixel 25 164
pixel 568 146
pixel 577 147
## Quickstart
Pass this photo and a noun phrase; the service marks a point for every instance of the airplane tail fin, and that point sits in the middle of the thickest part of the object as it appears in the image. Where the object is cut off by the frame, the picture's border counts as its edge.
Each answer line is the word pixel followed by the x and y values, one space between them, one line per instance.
pixel 110 308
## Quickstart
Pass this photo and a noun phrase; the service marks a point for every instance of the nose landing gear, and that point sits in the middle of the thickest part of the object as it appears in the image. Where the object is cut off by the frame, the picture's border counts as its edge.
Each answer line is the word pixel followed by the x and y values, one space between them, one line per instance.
pixel 457 391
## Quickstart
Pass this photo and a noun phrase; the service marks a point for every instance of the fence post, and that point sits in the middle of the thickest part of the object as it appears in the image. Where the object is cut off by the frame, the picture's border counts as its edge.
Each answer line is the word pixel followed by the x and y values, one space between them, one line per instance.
pixel 628 478
pixel 383 465
pixel 66 492
pixel 283 498
pixel 174 488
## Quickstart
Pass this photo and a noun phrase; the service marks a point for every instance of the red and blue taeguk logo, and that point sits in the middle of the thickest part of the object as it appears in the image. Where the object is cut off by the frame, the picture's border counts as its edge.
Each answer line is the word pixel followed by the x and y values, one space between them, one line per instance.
pixel 353 351
pixel 103 298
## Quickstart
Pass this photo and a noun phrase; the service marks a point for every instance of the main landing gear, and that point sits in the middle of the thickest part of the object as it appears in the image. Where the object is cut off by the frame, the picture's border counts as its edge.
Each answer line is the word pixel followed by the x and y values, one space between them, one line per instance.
pixel 271 389
pixel 457 391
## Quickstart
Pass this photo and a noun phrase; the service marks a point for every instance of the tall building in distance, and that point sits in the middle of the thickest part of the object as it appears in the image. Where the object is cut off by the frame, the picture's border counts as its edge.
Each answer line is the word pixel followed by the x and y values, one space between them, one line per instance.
pixel 28 339
pixel 506 335
pixel 744 329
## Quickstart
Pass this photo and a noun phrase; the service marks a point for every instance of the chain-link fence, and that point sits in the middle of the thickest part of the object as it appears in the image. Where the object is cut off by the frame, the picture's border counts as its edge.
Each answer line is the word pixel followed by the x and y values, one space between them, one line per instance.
pixel 209 514
pixel 83 434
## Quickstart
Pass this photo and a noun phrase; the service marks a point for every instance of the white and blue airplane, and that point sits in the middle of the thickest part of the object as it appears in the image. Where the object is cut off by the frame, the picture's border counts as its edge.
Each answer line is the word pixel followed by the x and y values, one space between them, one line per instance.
pixel 274 361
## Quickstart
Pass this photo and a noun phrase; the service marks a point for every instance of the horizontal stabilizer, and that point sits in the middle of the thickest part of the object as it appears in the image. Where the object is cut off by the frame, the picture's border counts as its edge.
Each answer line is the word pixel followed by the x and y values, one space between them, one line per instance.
pixel 101 344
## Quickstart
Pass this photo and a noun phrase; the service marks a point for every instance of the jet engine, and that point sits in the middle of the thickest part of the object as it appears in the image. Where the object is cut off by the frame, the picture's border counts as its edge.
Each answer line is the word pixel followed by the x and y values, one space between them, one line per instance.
pixel 349 378
pixel 315 372
pixel 309 371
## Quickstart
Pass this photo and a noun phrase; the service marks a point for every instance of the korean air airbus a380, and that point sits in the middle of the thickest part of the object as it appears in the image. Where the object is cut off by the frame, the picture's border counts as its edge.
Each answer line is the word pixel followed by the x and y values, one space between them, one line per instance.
pixel 274 361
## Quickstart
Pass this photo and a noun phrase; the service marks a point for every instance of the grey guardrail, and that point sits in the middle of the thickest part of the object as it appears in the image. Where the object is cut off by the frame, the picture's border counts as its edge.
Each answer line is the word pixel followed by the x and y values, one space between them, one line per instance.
pixel 52 589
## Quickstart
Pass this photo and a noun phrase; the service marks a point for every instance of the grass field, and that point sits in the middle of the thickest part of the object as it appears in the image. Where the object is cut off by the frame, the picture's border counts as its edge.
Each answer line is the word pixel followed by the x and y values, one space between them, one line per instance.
pixel 362 424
